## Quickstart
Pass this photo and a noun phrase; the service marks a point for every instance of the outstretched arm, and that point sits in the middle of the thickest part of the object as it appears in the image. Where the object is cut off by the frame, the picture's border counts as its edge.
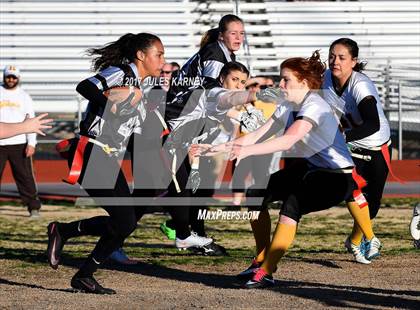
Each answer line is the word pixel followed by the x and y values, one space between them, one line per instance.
pixel 29 125
pixel 234 98
pixel 262 133
pixel 294 134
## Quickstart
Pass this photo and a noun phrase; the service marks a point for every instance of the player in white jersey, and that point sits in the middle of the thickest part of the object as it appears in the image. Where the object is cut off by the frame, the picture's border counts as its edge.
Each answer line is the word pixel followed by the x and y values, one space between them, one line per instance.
pixel 355 100
pixel 320 180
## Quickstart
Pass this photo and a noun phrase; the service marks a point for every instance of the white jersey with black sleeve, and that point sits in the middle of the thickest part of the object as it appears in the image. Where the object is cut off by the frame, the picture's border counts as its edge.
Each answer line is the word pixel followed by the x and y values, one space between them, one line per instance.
pixel 208 62
pixel 324 145
pixel 345 106
pixel 195 113
pixel 99 122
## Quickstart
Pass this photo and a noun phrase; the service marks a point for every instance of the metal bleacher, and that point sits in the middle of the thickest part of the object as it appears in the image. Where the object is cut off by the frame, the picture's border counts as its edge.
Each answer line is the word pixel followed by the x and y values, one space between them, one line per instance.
pixel 48 39
pixel 387 32
pixel 383 29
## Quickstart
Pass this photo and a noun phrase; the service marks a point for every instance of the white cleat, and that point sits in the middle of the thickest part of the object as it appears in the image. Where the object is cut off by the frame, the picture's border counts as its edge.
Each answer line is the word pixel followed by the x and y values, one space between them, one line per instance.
pixel 357 253
pixel 415 223
pixel 372 248
pixel 193 240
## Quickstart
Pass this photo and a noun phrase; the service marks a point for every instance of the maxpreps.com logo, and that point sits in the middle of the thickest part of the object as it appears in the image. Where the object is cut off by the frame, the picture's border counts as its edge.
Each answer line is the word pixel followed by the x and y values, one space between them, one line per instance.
pixel 219 214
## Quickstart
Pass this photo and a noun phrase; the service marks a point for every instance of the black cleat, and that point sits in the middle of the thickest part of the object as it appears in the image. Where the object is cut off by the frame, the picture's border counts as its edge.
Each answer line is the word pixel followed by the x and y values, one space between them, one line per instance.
pixel 89 285
pixel 261 279
pixel 212 249
pixel 55 245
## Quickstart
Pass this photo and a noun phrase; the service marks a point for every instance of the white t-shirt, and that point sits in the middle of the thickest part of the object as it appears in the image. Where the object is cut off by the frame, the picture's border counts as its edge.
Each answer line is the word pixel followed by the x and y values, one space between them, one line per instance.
pixel 324 145
pixel 14 105
pixel 345 107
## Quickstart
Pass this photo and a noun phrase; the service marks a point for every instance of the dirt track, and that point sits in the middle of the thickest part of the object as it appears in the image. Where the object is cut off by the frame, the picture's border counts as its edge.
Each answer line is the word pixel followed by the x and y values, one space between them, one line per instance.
pixel 310 281
pixel 305 283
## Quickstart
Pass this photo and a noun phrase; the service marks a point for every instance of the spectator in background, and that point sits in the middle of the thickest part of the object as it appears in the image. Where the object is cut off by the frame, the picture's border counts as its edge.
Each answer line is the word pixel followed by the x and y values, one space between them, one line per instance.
pixel 175 66
pixel 15 105
pixel 166 75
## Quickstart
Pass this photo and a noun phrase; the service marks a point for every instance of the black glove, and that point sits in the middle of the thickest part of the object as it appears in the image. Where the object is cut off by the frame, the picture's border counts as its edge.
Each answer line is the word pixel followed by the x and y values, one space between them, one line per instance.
pixel 194 180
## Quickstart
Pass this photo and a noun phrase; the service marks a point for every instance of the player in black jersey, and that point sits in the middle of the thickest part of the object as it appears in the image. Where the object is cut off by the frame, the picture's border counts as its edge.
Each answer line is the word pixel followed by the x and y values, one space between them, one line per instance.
pixel 95 154
pixel 194 118
pixel 217 48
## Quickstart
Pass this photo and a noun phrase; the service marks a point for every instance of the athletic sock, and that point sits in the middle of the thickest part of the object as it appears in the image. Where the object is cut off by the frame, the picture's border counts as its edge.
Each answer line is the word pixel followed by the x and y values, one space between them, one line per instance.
pixel 197 225
pixel 262 230
pixel 94 226
pixel 361 218
pixel 69 230
pixel 170 224
pixel 180 217
pixel 356 235
pixel 282 239
pixel 88 268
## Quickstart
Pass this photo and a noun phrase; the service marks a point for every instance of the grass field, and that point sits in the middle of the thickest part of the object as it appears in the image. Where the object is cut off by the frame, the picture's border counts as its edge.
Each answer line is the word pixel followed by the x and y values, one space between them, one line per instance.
pixel 316 273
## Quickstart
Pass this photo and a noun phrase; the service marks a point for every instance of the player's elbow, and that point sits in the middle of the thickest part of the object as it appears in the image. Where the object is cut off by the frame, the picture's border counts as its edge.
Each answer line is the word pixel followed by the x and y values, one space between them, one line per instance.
pixel 289 142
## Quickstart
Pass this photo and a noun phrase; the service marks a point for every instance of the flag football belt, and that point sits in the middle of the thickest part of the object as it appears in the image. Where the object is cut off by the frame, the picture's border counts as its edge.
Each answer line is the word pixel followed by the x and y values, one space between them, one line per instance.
pixel 358 196
pixel 76 167
pixel 341 170
pixel 385 153
pixel 172 150
pixel 171 166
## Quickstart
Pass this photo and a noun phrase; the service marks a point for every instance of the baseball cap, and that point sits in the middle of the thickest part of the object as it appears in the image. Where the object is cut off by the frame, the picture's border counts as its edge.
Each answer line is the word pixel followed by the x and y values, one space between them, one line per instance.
pixel 11 70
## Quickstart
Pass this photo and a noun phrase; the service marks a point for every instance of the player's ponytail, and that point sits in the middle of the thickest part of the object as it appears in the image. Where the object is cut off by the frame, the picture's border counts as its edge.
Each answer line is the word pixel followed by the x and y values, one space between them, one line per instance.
pixel 316 66
pixel 310 69
pixel 122 51
pixel 210 36
pixel 353 49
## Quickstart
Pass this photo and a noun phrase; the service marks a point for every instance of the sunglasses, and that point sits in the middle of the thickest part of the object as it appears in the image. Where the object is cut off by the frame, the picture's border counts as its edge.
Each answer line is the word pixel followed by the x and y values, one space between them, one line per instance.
pixel 11 77
pixel 166 72
pixel 266 86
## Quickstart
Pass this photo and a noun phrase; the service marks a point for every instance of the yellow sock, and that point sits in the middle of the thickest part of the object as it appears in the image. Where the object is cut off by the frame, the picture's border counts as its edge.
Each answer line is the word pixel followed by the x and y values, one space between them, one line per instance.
pixel 282 239
pixel 262 231
pixel 362 218
pixel 356 234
